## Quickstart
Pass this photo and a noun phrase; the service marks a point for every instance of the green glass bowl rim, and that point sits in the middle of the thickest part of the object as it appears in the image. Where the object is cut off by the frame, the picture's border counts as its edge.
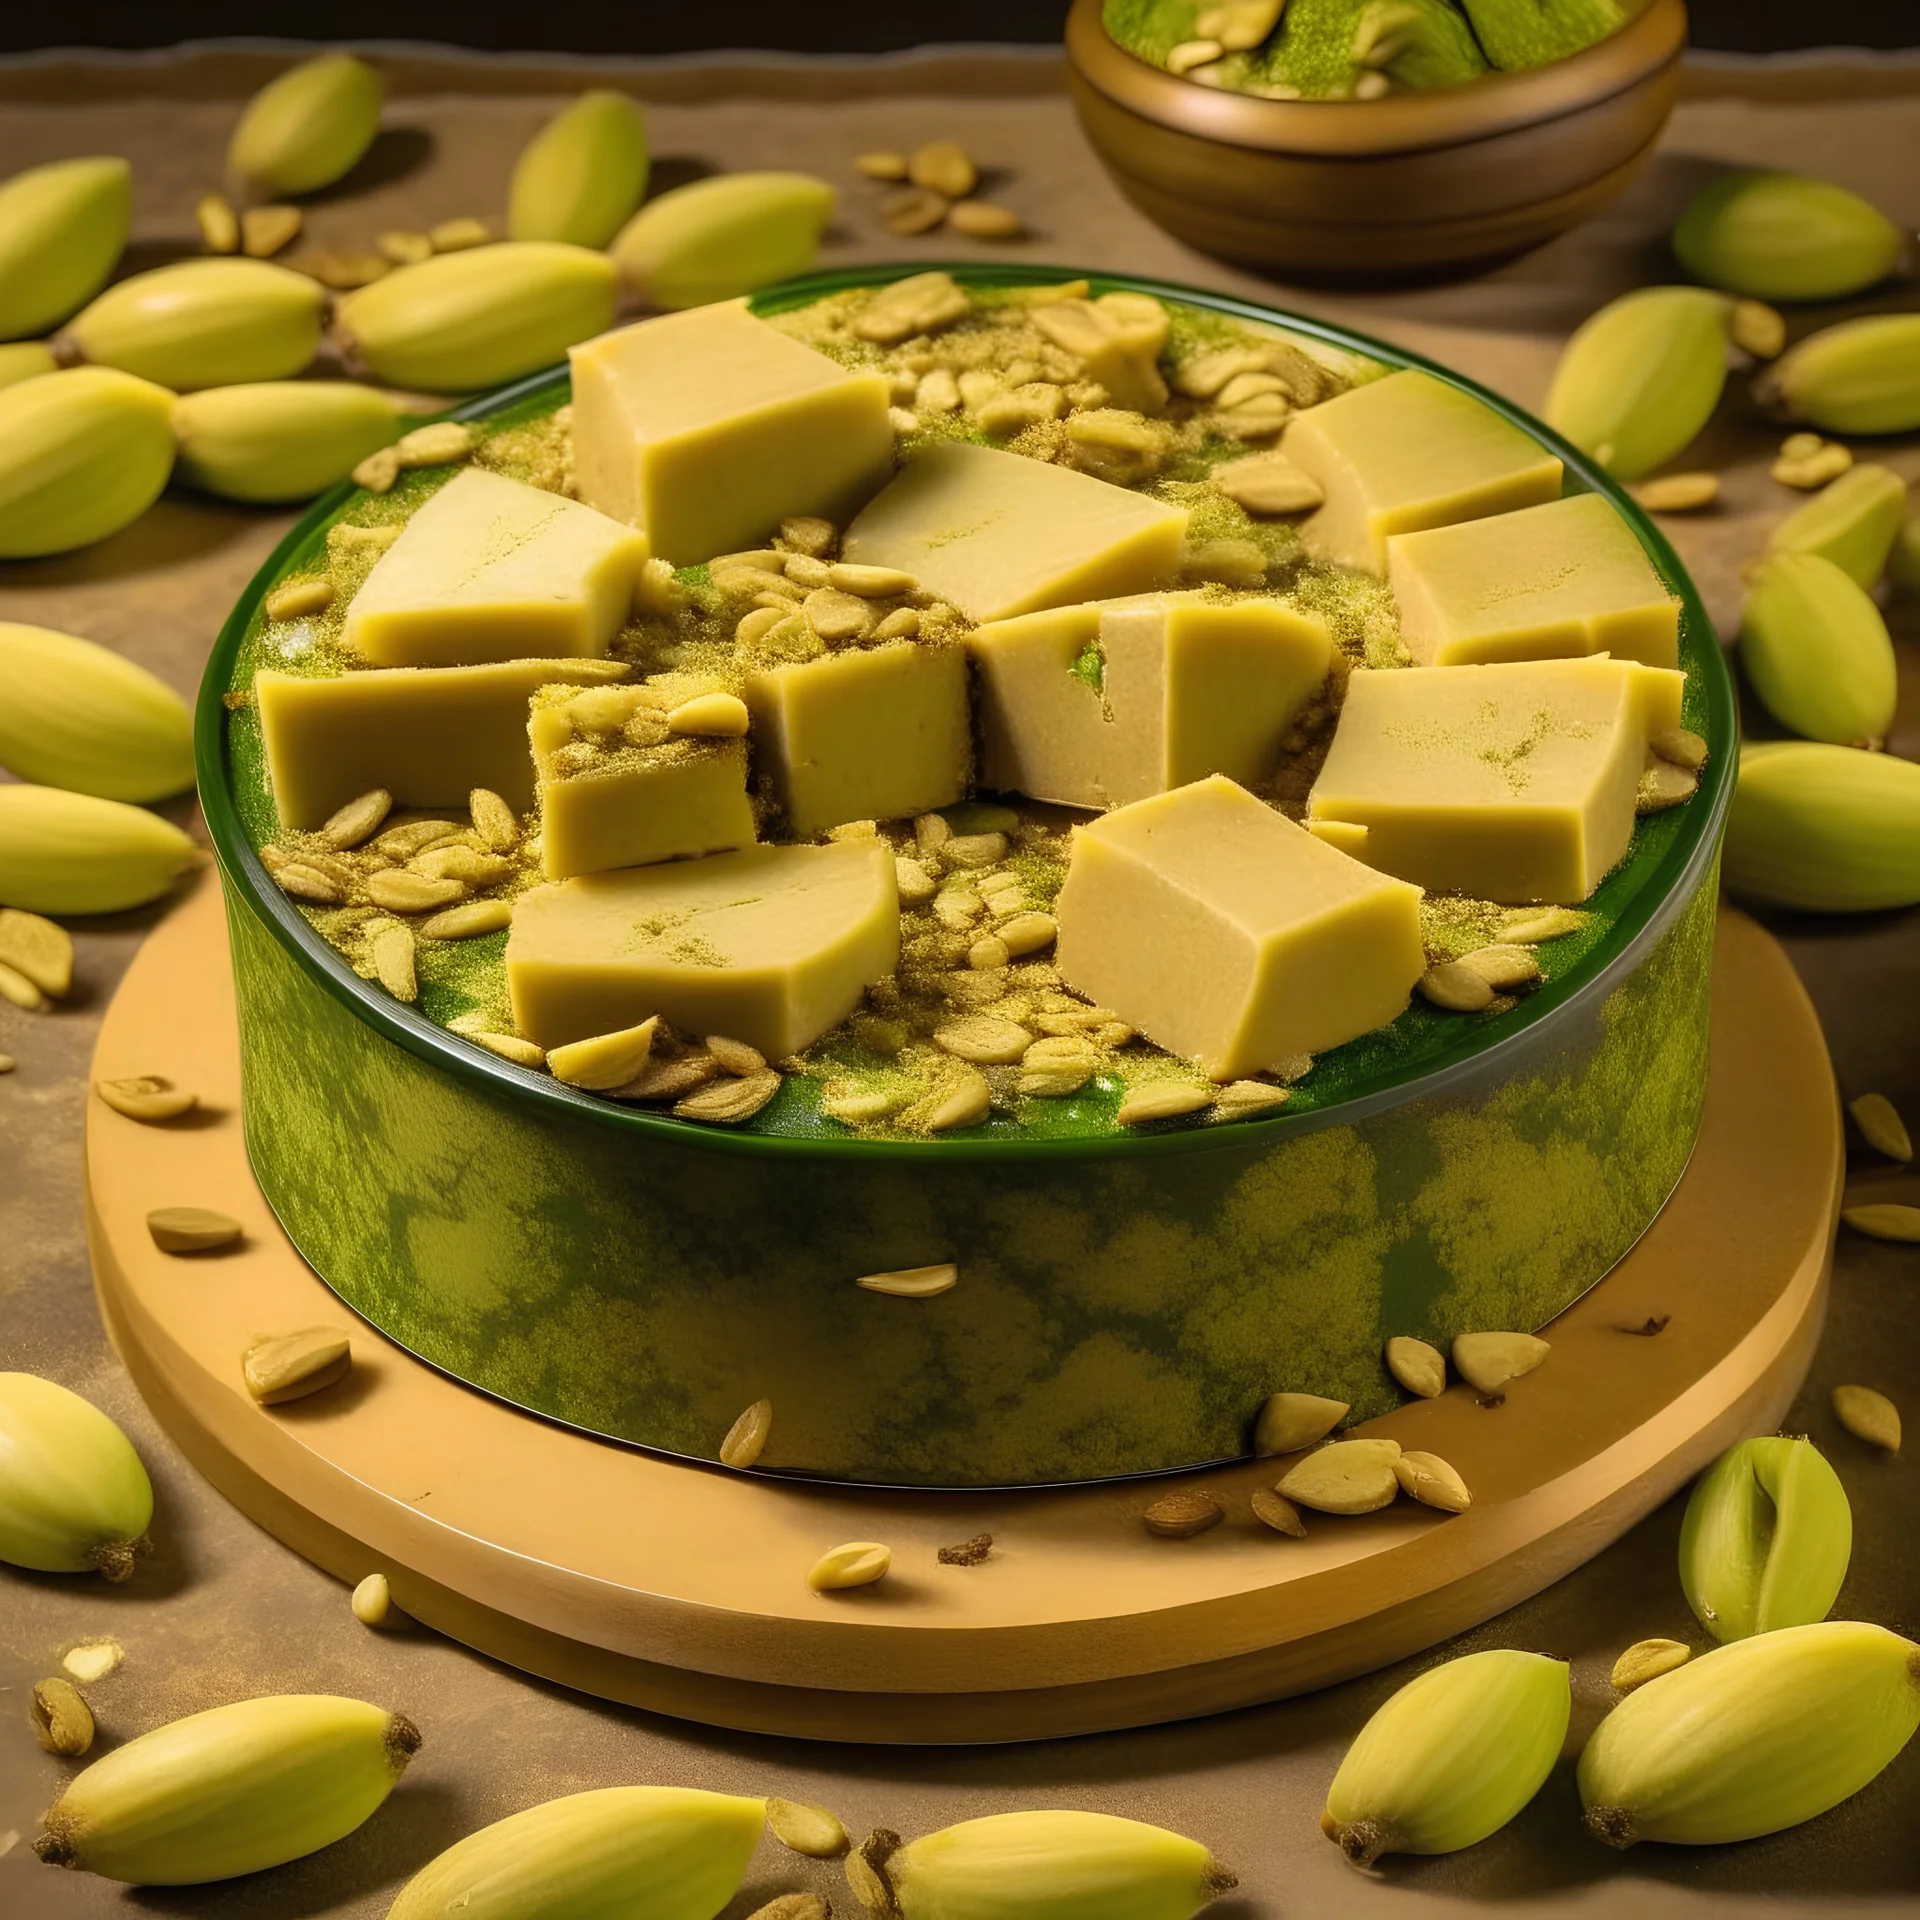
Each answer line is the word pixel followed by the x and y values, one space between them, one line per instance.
pixel 1683 866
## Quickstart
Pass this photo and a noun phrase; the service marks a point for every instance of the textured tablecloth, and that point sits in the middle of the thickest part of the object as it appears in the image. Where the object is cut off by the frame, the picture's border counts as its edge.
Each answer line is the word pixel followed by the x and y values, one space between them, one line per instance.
pixel 224 1611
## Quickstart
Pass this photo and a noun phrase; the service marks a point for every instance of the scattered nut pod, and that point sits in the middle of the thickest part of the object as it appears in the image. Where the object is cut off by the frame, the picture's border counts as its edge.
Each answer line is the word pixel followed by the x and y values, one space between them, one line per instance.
pixel 1824 828
pixel 1868 1415
pixel 372 1601
pixel 82 717
pixel 62 1718
pixel 1641 377
pixel 1783 236
pixel 722 237
pixel 1418 1367
pixel 607 1060
pixel 280 440
pixel 229 1791
pixel 148 1097
pixel 1753 1737
pixel 459 322
pixel 1886 1220
pixel 1181 1515
pixel 37 950
pixel 1853 522
pixel 1451 1757
pixel 1816 650
pixel 1013 1866
pixel 859 1563
pixel 192 1229
pixel 1860 377
pixel 307 128
pixel 581 176
pixel 747 1438
pixel 292 1365
pixel 83 453
pixel 202 323
pixel 815 1832
pixel 673 1851
pixel 1647 1660
pixel 74 1497
pixel 1878 1119
pixel 1489 1362
pixel 62 228
pixel 1427 1478
pixel 1347 1476
pixel 1766 1539
pixel 1290 1421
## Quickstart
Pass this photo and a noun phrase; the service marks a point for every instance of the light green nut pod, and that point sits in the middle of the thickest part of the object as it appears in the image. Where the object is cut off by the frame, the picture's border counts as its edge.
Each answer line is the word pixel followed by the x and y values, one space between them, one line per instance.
pixel 1766 1539
pixel 1825 829
pixel 280 439
pixel 82 454
pixel 72 853
pixel 1862 376
pixel 62 227
pixel 1817 651
pixel 1641 377
pixel 26 360
pixel 1052 1866
pixel 74 1497
pixel 582 174
pixel 203 323
pixel 82 717
pixel 229 1791
pixel 1452 1757
pixel 621 1853
pixel 306 129
pixel 1853 522
pixel 720 238
pixel 1753 1737
pixel 1783 236
pixel 463 321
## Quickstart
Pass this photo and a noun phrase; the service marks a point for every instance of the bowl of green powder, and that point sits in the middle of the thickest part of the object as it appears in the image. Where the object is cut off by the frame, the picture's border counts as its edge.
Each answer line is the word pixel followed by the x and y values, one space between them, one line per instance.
pixel 1373 141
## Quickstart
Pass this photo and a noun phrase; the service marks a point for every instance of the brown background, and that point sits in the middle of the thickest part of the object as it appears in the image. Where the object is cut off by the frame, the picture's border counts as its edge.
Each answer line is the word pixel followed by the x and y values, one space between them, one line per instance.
pixel 223 1611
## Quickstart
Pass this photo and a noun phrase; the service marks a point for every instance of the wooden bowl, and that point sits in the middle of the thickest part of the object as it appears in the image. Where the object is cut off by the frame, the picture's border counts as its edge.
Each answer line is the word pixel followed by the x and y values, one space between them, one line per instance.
pixel 1413 187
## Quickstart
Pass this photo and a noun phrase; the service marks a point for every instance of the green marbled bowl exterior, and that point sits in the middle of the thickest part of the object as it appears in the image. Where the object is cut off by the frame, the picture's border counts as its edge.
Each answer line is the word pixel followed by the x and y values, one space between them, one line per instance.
pixel 1125 1304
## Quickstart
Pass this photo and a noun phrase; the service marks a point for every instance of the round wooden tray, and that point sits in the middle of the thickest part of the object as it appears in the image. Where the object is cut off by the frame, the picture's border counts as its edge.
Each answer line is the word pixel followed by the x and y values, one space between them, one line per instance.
pixel 682 1589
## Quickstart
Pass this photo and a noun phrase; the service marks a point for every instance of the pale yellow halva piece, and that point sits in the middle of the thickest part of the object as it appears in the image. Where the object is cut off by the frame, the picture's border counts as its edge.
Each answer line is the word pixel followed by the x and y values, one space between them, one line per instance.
pixel 1225 933
pixel 772 946
pixel 429 736
pixel 489 569
pixel 633 805
pixel 875 733
pixel 1408 452
pixel 999 534
pixel 708 428
pixel 1101 704
pixel 1545 583
pixel 1513 783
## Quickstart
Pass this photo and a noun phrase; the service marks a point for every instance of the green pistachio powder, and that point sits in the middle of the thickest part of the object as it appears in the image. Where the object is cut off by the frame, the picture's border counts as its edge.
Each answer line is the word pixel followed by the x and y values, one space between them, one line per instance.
pixel 468 977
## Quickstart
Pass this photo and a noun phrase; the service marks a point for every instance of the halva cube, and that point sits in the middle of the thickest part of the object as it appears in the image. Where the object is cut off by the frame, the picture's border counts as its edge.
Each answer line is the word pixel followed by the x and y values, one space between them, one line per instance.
pixel 707 428
pixel 1408 452
pixel 1228 934
pixel 617 790
pixel 1548 582
pixel 429 735
pixel 1108 702
pixel 999 534
pixel 866 733
pixel 1512 783
pixel 770 945
pixel 489 569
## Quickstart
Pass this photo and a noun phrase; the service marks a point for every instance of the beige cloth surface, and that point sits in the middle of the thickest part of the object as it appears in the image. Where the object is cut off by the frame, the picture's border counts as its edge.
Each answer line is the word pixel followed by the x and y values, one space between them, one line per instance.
pixel 224 1610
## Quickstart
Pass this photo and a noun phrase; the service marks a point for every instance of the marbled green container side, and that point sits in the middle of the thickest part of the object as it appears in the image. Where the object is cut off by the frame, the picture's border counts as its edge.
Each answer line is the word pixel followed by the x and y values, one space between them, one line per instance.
pixel 1116 1313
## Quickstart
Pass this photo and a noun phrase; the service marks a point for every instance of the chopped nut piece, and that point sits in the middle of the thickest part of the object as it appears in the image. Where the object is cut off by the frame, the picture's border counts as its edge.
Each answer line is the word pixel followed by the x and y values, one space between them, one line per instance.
pixel 146 1097
pixel 372 1601
pixel 1529 926
pixel 921 303
pixel 1678 492
pixel 902 624
pixel 607 1060
pixel 1457 987
pixel 435 445
pixel 1234 563
pixel 39 948
pixel 509 1046
pixel 343 271
pixel 812 1831
pixel 1167 1101
pixel 1431 1481
pixel 984 220
pixel 192 1229
pixel 1488 1362
pixel 961 1103
pixel 402 246
pixel 984 1039
pixel 299 598
pixel 882 166
pixel 357 820
pixel 747 1438
pixel 1059 1065
pixel 219 225
pixel 1420 1368
pixel 1756 328
pixel 61 1718
pixel 1503 967
pixel 294 1365
pixel 914 1283
pixel 1346 1476
pixel 859 1563
pixel 735 1056
pixel 943 167
pixel 1647 1660
pixel 264 231
pixel 1683 747
pixel 869 583
pixel 727 1102
pixel 378 471
pixel 401 892
pixel 808 534
pixel 1179 1516
pixel 910 210
pixel 15 986
pixel 1665 785
pixel 306 882
pixel 719 716
pixel 1813 467
pixel 1868 1416
pixel 1273 1509
pixel 1246 1099
pixel 1268 484
pixel 493 819
pixel 1289 1421
pixel 969 1553
pixel 391 947
pixel 1881 1126
pixel 669 1079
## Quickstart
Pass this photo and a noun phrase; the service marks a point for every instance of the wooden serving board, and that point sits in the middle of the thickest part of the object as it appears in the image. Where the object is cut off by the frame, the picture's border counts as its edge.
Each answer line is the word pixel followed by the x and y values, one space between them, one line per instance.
pixel 682 1589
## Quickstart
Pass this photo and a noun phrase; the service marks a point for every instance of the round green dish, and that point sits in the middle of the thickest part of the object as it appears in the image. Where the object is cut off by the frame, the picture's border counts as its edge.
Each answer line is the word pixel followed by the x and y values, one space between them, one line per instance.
pixel 1125 1302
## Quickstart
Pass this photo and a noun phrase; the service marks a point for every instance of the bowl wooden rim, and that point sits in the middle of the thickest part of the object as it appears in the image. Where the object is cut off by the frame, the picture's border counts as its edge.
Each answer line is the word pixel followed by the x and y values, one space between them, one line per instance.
pixel 1403 123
